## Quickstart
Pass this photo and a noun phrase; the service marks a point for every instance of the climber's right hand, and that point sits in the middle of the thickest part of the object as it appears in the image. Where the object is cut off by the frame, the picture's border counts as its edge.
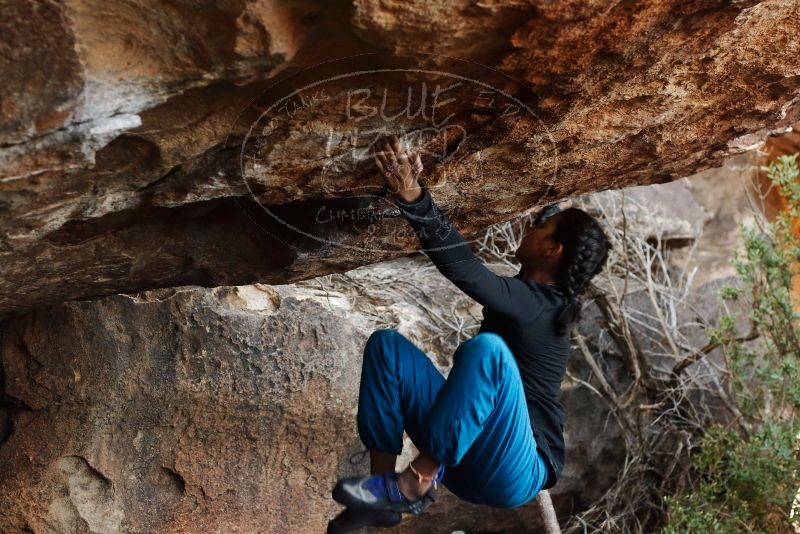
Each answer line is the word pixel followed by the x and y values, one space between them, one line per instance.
pixel 399 167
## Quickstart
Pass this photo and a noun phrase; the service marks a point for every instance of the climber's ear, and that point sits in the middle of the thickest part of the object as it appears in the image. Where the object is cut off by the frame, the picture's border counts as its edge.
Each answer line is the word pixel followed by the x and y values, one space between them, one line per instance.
pixel 553 249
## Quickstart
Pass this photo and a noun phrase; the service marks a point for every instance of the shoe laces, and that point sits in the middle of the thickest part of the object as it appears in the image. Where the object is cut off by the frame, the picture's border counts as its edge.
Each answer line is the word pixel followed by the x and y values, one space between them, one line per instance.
pixel 384 486
pixel 437 478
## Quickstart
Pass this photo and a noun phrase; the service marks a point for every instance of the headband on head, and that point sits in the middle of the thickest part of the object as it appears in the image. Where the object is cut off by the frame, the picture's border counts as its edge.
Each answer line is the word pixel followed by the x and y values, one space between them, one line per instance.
pixel 545 213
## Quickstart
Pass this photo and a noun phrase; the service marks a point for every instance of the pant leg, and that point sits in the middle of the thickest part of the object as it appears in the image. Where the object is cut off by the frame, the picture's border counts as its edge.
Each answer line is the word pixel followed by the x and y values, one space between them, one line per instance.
pixel 398 386
pixel 480 427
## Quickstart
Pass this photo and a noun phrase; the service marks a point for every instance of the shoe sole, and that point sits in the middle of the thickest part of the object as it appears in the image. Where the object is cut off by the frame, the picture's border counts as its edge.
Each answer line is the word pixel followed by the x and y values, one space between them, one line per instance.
pixel 347 522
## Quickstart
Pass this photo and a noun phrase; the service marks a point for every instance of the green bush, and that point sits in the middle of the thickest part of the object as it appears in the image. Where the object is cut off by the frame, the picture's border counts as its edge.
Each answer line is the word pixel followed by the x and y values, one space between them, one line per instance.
pixel 747 485
pixel 748 475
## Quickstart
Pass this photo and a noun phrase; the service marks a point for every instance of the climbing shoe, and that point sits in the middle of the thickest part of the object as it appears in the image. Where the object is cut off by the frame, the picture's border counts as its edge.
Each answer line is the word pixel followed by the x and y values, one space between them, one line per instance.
pixel 380 492
pixel 353 519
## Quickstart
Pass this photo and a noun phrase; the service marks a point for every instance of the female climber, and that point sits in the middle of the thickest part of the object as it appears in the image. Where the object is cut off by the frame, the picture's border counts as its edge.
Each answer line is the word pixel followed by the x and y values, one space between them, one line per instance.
pixel 492 432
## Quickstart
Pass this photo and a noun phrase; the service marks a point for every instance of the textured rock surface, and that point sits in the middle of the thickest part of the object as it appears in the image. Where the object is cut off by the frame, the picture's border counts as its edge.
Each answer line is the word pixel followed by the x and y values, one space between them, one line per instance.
pixel 196 411
pixel 725 194
pixel 121 124
pixel 729 194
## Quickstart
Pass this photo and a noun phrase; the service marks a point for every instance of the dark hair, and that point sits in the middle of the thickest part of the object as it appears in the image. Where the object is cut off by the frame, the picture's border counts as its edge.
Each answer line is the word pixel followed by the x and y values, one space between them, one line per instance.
pixel 585 253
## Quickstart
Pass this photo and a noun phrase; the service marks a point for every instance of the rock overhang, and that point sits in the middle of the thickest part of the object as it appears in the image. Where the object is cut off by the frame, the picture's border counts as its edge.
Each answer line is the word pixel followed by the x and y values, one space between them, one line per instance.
pixel 123 167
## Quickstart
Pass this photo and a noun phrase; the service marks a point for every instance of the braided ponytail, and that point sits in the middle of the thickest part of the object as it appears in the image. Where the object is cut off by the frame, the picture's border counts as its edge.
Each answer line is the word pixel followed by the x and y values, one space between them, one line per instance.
pixel 585 253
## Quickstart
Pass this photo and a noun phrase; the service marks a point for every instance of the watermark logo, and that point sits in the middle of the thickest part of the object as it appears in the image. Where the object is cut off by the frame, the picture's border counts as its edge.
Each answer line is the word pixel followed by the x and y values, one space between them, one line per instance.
pixel 311 136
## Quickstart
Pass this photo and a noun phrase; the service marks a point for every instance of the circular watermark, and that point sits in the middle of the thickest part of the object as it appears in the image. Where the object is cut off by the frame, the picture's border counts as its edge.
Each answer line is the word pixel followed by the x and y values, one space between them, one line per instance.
pixel 315 130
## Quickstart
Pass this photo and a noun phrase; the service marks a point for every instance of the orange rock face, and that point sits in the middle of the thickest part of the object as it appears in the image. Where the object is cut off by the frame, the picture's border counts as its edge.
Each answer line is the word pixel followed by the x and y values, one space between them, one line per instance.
pixel 147 145
pixel 775 147
pixel 773 202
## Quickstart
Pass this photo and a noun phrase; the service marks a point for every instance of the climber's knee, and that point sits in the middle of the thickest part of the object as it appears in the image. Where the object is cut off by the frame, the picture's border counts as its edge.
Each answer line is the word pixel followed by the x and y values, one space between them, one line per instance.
pixel 486 346
pixel 378 344
pixel 381 333
pixel 380 337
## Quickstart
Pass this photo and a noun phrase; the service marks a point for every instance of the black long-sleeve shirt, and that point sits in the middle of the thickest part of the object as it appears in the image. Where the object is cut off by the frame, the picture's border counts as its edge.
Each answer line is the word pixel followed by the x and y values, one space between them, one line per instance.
pixel 521 311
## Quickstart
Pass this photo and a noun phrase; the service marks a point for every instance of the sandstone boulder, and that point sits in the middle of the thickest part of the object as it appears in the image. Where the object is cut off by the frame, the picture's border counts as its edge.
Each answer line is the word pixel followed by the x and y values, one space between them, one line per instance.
pixel 146 145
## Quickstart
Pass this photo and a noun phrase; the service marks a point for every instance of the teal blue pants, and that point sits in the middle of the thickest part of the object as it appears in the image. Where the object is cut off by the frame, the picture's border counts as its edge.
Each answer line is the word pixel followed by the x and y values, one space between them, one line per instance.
pixel 476 421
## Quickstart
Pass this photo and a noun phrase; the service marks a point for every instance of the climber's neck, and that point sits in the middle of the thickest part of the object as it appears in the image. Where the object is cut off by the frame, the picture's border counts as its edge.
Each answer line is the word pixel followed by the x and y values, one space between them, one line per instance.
pixel 537 274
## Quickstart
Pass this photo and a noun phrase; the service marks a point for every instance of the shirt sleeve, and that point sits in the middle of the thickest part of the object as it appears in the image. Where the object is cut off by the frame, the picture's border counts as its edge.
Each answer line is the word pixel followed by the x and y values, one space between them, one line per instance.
pixel 454 258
